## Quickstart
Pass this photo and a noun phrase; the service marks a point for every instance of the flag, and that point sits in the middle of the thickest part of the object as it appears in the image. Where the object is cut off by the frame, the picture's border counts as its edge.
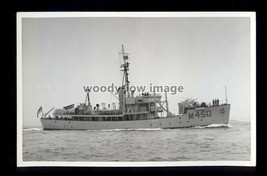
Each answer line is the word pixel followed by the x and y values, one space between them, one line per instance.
pixel 39 111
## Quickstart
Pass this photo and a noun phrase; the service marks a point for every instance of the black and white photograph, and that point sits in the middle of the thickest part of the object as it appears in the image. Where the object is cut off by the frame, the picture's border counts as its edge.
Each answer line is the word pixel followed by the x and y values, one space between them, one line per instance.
pixel 136 89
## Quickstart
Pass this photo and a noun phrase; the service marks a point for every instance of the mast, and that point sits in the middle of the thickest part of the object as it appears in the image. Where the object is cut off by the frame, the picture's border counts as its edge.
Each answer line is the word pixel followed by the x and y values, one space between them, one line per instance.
pixel 125 82
pixel 226 95
pixel 167 104
pixel 125 69
pixel 88 99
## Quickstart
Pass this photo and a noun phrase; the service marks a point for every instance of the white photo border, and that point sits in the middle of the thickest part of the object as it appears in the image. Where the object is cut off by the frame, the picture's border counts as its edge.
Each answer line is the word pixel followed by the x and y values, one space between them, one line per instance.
pixel 21 15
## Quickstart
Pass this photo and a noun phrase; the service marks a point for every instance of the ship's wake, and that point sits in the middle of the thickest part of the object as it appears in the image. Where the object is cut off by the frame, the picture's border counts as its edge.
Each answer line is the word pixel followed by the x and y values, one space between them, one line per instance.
pixel 32 129
pixel 214 126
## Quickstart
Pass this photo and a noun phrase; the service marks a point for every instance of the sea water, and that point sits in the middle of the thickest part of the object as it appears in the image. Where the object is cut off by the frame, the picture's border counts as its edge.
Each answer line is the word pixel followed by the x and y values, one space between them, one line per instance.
pixel 211 143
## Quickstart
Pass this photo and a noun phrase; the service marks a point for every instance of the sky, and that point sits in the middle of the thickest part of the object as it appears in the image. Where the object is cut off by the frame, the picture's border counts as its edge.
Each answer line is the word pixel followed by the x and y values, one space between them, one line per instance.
pixel 202 54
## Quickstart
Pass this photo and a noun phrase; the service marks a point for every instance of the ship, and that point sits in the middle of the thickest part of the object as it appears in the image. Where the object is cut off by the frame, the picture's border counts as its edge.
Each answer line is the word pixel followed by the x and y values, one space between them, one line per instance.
pixel 143 111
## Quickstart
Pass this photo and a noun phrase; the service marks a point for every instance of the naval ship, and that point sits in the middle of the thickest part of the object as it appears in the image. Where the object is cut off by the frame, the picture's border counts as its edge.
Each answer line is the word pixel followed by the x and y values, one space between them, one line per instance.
pixel 135 112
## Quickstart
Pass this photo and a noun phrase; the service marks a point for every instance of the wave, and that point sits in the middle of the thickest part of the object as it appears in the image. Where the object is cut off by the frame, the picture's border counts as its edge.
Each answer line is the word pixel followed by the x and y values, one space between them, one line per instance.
pixel 214 126
pixel 32 129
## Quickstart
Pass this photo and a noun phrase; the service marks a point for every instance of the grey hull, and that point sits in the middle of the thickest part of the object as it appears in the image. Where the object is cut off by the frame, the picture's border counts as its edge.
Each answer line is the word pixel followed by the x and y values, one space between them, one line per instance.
pixel 194 117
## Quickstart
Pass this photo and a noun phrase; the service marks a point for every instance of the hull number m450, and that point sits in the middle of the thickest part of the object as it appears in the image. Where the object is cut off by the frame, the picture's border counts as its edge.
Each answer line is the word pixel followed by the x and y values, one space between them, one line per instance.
pixel 199 114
